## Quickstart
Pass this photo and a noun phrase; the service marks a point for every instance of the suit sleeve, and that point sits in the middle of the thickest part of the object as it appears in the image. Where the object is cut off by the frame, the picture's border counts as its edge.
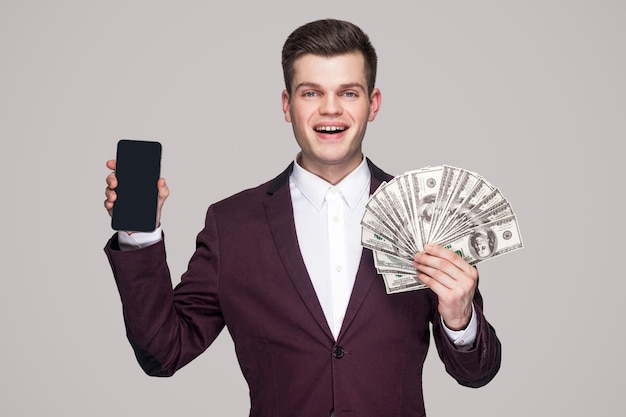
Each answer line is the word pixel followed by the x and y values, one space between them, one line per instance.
pixel 167 328
pixel 477 366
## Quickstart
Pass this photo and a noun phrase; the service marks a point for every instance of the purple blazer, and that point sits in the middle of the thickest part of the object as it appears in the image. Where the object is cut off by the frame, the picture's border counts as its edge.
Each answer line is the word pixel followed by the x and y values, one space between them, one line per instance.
pixel 247 274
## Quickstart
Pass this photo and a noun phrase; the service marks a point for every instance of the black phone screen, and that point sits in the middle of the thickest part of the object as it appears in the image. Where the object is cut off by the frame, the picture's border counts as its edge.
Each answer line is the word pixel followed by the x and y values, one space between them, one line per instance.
pixel 137 170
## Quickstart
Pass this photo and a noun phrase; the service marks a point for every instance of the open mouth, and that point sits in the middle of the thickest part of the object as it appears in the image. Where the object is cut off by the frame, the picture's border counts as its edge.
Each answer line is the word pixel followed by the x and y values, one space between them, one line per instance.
pixel 330 129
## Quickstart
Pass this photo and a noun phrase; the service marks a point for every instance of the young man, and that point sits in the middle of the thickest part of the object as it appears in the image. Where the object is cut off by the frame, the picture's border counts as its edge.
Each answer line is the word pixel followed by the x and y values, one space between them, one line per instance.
pixel 281 266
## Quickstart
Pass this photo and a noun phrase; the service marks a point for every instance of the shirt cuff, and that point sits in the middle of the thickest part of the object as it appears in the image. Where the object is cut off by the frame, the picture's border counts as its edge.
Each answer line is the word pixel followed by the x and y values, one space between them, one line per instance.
pixel 463 339
pixel 138 240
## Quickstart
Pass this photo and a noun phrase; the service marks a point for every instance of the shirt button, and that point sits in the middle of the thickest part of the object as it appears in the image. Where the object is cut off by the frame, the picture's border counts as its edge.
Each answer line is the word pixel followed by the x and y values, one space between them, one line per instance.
pixel 338 268
pixel 338 352
pixel 336 219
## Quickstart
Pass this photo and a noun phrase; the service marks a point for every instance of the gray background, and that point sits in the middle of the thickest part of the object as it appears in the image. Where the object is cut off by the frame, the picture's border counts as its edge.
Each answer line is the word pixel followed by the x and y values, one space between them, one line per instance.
pixel 530 94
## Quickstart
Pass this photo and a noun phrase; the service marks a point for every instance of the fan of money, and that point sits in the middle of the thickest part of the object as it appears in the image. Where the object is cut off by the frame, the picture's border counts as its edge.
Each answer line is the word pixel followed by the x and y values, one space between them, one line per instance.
pixel 448 206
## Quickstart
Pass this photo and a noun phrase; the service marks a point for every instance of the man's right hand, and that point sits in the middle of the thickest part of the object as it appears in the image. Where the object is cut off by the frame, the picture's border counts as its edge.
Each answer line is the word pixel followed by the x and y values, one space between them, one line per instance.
pixel 111 180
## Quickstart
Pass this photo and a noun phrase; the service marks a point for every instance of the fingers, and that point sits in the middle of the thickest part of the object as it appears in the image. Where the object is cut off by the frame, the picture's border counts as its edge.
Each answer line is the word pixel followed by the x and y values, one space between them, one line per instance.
pixel 452 279
pixel 111 196
pixel 111 181
pixel 435 279
pixel 438 256
pixel 111 178
pixel 444 269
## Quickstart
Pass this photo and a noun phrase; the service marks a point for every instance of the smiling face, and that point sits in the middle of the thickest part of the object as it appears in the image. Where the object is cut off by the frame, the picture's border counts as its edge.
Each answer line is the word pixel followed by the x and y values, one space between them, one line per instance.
pixel 329 109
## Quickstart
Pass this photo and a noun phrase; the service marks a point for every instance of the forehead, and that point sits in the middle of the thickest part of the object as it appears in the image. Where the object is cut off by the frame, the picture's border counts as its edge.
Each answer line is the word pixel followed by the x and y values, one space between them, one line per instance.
pixel 330 71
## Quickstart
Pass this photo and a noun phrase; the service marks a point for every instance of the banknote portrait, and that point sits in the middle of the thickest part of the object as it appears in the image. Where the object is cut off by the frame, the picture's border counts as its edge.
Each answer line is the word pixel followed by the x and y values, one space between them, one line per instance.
pixel 426 207
pixel 482 243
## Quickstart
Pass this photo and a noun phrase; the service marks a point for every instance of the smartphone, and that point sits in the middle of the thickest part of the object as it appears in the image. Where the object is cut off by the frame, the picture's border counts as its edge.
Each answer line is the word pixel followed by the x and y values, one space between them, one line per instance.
pixel 138 167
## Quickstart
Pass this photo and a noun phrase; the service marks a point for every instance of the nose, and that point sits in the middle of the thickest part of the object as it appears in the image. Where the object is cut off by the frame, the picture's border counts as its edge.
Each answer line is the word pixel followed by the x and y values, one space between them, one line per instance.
pixel 330 104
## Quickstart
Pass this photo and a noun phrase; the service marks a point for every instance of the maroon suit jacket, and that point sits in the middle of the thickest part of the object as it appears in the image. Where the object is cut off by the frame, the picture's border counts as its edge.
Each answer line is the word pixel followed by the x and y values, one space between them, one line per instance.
pixel 247 274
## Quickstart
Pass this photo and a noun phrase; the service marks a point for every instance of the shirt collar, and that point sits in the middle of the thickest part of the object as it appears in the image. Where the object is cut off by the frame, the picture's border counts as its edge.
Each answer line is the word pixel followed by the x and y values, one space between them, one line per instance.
pixel 314 188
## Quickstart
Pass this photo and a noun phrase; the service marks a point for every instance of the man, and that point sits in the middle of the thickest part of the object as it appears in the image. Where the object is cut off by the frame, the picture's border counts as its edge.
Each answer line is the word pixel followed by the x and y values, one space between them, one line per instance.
pixel 282 268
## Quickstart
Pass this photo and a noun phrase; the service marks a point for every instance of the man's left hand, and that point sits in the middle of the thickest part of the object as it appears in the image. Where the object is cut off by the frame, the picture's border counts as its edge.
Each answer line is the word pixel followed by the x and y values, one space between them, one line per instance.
pixel 452 279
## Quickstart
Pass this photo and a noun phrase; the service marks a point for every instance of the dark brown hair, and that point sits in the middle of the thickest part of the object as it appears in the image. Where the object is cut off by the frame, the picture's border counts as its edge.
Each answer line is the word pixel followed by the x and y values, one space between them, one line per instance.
pixel 328 38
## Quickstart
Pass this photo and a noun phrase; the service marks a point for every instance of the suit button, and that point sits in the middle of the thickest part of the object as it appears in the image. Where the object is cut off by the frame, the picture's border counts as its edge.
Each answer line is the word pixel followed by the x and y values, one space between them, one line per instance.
pixel 338 352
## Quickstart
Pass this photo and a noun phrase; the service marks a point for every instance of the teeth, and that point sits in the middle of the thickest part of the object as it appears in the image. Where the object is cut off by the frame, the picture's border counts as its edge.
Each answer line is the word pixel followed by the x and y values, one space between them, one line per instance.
pixel 330 129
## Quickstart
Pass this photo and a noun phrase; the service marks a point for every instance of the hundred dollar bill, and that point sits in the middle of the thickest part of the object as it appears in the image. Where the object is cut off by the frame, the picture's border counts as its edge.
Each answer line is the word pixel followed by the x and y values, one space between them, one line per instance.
pixel 394 199
pixel 493 213
pixel 487 241
pixel 386 263
pixel 477 193
pixel 380 206
pixel 449 178
pixel 375 224
pixel 377 219
pixel 483 198
pixel 424 184
pixel 375 242
pixel 395 283
pixel 462 191
pixel 490 199
pixel 408 199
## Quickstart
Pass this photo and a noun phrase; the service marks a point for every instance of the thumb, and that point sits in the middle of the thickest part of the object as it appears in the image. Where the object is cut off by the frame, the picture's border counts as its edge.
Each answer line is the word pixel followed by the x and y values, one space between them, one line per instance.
pixel 164 190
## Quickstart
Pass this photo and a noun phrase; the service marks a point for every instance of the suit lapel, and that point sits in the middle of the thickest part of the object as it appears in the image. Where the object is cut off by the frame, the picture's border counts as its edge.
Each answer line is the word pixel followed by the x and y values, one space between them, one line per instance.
pixel 279 212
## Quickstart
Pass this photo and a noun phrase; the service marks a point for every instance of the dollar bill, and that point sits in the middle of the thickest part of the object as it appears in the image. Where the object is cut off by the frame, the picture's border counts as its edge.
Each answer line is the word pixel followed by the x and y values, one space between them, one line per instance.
pixel 375 242
pixel 377 218
pixel 395 283
pixel 492 213
pixel 387 263
pixel 449 181
pixel 487 240
pixel 423 184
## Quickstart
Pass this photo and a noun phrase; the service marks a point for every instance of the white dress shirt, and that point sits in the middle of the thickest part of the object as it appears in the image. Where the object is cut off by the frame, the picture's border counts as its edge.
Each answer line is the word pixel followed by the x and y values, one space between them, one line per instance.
pixel 328 226
pixel 327 219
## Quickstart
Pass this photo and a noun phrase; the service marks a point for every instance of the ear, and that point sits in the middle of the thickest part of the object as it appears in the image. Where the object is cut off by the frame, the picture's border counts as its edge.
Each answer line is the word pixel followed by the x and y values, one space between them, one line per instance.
pixel 375 101
pixel 286 106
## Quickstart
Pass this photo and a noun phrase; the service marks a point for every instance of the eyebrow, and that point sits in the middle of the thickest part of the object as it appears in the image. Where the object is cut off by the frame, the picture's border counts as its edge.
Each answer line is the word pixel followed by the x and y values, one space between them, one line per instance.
pixel 319 87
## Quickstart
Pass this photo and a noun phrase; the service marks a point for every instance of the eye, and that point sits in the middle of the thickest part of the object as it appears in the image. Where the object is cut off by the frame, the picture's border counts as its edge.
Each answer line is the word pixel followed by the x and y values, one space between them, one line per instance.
pixel 350 94
pixel 309 94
